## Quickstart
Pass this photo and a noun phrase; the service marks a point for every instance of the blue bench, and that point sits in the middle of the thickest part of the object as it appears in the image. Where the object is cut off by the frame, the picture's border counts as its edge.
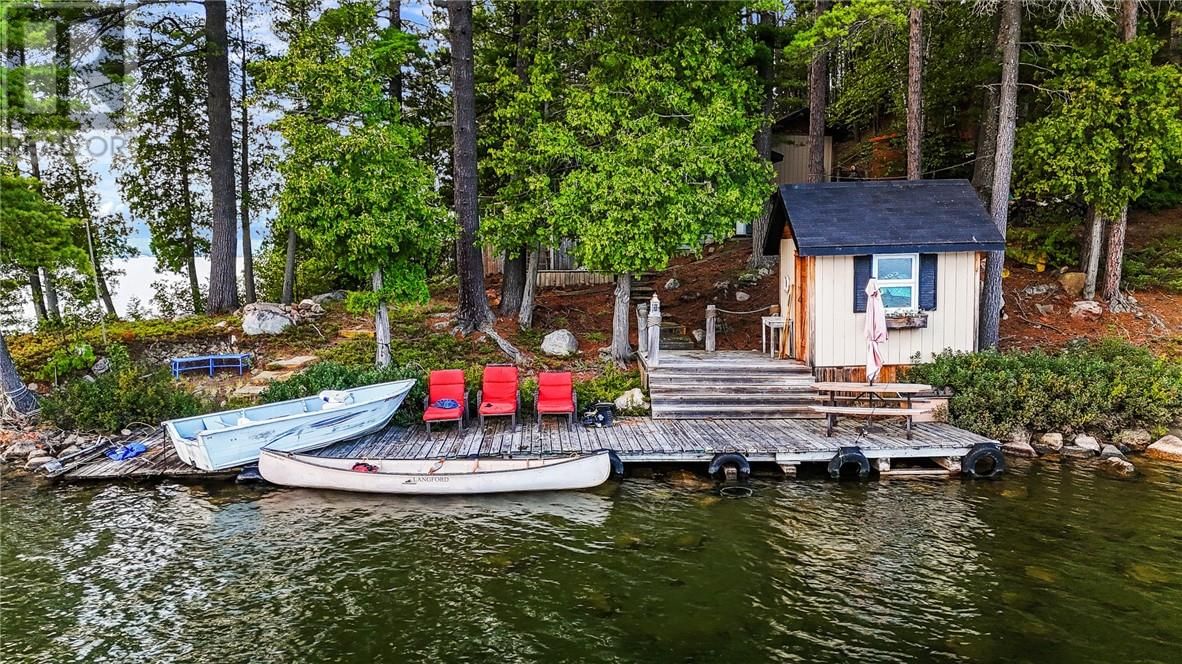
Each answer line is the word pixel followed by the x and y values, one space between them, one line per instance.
pixel 211 363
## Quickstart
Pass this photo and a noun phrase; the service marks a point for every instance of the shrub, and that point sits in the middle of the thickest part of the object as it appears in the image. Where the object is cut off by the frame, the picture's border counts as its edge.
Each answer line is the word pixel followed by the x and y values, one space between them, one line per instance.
pixel 1158 265
pixel 67 361
pixel 334 376
pixel 125 394
pixel 606 387
pixel 1098 387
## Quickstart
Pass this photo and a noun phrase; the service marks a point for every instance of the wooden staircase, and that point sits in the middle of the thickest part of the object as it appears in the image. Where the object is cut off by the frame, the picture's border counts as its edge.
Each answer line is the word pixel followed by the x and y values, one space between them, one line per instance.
pixel 730 385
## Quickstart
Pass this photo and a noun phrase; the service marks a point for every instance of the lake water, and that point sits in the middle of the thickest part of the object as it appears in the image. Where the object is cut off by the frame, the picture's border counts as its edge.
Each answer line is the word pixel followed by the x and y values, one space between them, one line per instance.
pixel 1052 564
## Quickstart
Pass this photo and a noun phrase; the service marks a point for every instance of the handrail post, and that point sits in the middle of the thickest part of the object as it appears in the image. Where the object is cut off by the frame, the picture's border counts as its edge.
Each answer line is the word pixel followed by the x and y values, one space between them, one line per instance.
pixel 642 328
pixel 654 332
pixel 711 316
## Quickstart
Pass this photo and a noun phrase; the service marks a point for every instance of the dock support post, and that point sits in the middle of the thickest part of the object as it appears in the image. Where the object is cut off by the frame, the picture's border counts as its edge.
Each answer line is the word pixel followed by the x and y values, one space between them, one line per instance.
pixel 654 332
pixel 642 328
pixel 711 315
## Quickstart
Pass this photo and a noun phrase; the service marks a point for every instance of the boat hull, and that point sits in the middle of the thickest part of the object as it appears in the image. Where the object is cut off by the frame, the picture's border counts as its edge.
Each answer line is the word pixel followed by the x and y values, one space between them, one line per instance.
pixel 293 429
pixel 436 476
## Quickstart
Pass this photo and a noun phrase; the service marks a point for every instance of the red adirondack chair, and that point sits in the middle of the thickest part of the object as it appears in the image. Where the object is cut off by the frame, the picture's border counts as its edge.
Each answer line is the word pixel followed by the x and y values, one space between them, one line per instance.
pixel 556 396
pixel 499 395
pixel 445 384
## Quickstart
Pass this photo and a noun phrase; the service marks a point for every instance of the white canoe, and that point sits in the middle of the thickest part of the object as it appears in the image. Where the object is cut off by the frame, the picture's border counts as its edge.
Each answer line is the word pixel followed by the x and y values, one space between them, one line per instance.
pixel 234 437
pixel 436 476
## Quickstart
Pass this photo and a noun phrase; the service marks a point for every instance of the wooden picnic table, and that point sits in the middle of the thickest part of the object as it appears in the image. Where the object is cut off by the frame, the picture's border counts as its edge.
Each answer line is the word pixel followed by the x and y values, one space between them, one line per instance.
pixel 872 393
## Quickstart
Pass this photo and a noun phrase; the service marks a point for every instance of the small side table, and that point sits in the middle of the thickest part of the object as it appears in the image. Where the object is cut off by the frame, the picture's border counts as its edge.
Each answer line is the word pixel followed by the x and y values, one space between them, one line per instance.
pixel 772 326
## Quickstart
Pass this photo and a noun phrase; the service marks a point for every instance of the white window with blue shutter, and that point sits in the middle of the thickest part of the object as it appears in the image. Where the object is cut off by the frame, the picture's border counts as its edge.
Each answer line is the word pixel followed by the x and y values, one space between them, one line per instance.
pixel 907 281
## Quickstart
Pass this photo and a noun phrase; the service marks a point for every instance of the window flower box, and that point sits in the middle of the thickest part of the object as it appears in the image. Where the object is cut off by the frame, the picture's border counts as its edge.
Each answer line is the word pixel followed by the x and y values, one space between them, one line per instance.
pixel 906 320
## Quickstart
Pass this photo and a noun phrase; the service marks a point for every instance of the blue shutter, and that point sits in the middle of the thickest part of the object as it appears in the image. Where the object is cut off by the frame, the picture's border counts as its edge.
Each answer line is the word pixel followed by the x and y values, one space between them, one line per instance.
pixel 862 268
pixel 927 281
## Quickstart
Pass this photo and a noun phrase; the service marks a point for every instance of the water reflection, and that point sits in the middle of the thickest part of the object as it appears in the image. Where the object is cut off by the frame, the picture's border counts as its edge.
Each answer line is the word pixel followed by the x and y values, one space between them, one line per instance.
pixel 1043 566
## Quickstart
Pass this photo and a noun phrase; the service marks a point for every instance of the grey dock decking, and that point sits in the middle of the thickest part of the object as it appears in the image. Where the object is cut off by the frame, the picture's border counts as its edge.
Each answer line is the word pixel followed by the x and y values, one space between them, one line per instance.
pixel 637 439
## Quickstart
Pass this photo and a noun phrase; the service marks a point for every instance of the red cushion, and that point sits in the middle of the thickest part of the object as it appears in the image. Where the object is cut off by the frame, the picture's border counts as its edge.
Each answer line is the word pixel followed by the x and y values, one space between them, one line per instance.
pixel 446 384
pixel 556 405
pixel 436 414
pixel 554 385
pixel 498 408
pixel 500 386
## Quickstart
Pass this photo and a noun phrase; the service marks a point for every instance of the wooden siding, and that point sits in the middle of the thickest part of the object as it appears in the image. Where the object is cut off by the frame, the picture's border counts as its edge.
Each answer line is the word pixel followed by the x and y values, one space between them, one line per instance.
pixel 570 278
pixel 794 168
pixel 837 333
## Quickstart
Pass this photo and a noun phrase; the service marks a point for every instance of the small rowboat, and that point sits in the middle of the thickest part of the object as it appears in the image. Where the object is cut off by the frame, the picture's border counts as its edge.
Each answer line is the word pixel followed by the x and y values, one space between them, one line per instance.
pixel 436 476
pixel 234 437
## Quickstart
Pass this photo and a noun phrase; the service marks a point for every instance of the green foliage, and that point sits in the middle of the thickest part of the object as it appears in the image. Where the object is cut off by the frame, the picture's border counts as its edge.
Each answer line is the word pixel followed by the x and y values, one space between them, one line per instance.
pixel 66 361
pixel 606 387
pixel 334 376
pixel 1044 232
pixel 35 233
pixel 30 352
pixel 1099 387
pixel 633 146
pixel 353 188
pixel 1165 192
pixel 1113 127
pixel 127 393
pixel 1158 265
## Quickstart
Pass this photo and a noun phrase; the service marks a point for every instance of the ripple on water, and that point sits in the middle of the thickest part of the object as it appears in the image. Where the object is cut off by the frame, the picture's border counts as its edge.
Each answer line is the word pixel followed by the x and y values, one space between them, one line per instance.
pixel 1040 566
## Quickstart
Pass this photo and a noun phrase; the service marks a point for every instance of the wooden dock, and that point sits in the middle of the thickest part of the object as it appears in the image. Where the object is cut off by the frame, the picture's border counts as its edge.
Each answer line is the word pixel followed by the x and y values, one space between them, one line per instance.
pixel 638 440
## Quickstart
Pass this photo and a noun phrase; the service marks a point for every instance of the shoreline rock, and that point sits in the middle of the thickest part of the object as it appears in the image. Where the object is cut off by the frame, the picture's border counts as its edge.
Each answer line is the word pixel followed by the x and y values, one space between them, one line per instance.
pixel 1167 448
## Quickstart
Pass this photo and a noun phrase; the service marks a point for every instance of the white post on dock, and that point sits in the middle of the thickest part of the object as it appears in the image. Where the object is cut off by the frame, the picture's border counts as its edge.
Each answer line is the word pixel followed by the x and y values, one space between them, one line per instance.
pixel 642 328
pixel 654 332
pixel 711 316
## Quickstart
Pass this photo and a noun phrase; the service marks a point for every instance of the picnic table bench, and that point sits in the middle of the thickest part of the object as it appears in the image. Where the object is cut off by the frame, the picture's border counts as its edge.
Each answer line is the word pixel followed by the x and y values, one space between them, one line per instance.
pixel 211 363
pixel 879 405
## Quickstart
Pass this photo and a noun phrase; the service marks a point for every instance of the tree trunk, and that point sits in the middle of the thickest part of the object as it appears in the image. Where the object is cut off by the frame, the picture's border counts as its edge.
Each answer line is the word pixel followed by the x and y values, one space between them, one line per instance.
pixel 52 310
pixel 223 268
pixel 100 284
pixel 986 147
pixel 1114 262
pixel 1114 265
pixel 395 82
pixel 473 306
pixel 513 282
pixel 190 248
pixel 1095 224
pixel 621 314
pixel 381 324
pixel 289 269
pixel 763 138
pixel 818 96
pixel 1007 44
pixel 37 294
pixel 104 293
pixel 18 395
pixel 244 170
pixel 525 316
pixel 915 93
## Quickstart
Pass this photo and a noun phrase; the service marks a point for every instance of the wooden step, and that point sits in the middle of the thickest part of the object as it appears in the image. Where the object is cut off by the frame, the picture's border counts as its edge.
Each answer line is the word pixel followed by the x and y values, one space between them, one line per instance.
pixel 730 411
pixel 746 390
pixel 800 400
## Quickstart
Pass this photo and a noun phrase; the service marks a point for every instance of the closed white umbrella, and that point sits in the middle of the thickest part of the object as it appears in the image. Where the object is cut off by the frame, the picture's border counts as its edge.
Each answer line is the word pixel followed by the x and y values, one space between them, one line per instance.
pixel 876 330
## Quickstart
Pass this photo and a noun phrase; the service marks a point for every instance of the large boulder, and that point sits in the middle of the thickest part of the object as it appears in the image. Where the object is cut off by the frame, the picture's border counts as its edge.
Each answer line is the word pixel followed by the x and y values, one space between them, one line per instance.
pixel 265 318
pixel 1086 310
pixel 21 449
pixel 1072 283
pixel 1087 442
pixel 1118 467
pixel 560 343
pixel 1018 443
pixel 331 296
pixel 37 461
pixel 1133 440
pixel 1049 442
pixel 633 399
pixel 1167 448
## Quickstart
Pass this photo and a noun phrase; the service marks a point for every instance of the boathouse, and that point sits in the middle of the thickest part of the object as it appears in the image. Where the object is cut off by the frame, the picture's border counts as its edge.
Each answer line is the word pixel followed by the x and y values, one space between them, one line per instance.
pixel 923 240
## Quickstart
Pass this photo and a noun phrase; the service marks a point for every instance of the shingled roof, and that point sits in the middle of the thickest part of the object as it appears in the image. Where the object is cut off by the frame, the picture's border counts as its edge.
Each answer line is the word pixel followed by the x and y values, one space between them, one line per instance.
pixel 858 218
